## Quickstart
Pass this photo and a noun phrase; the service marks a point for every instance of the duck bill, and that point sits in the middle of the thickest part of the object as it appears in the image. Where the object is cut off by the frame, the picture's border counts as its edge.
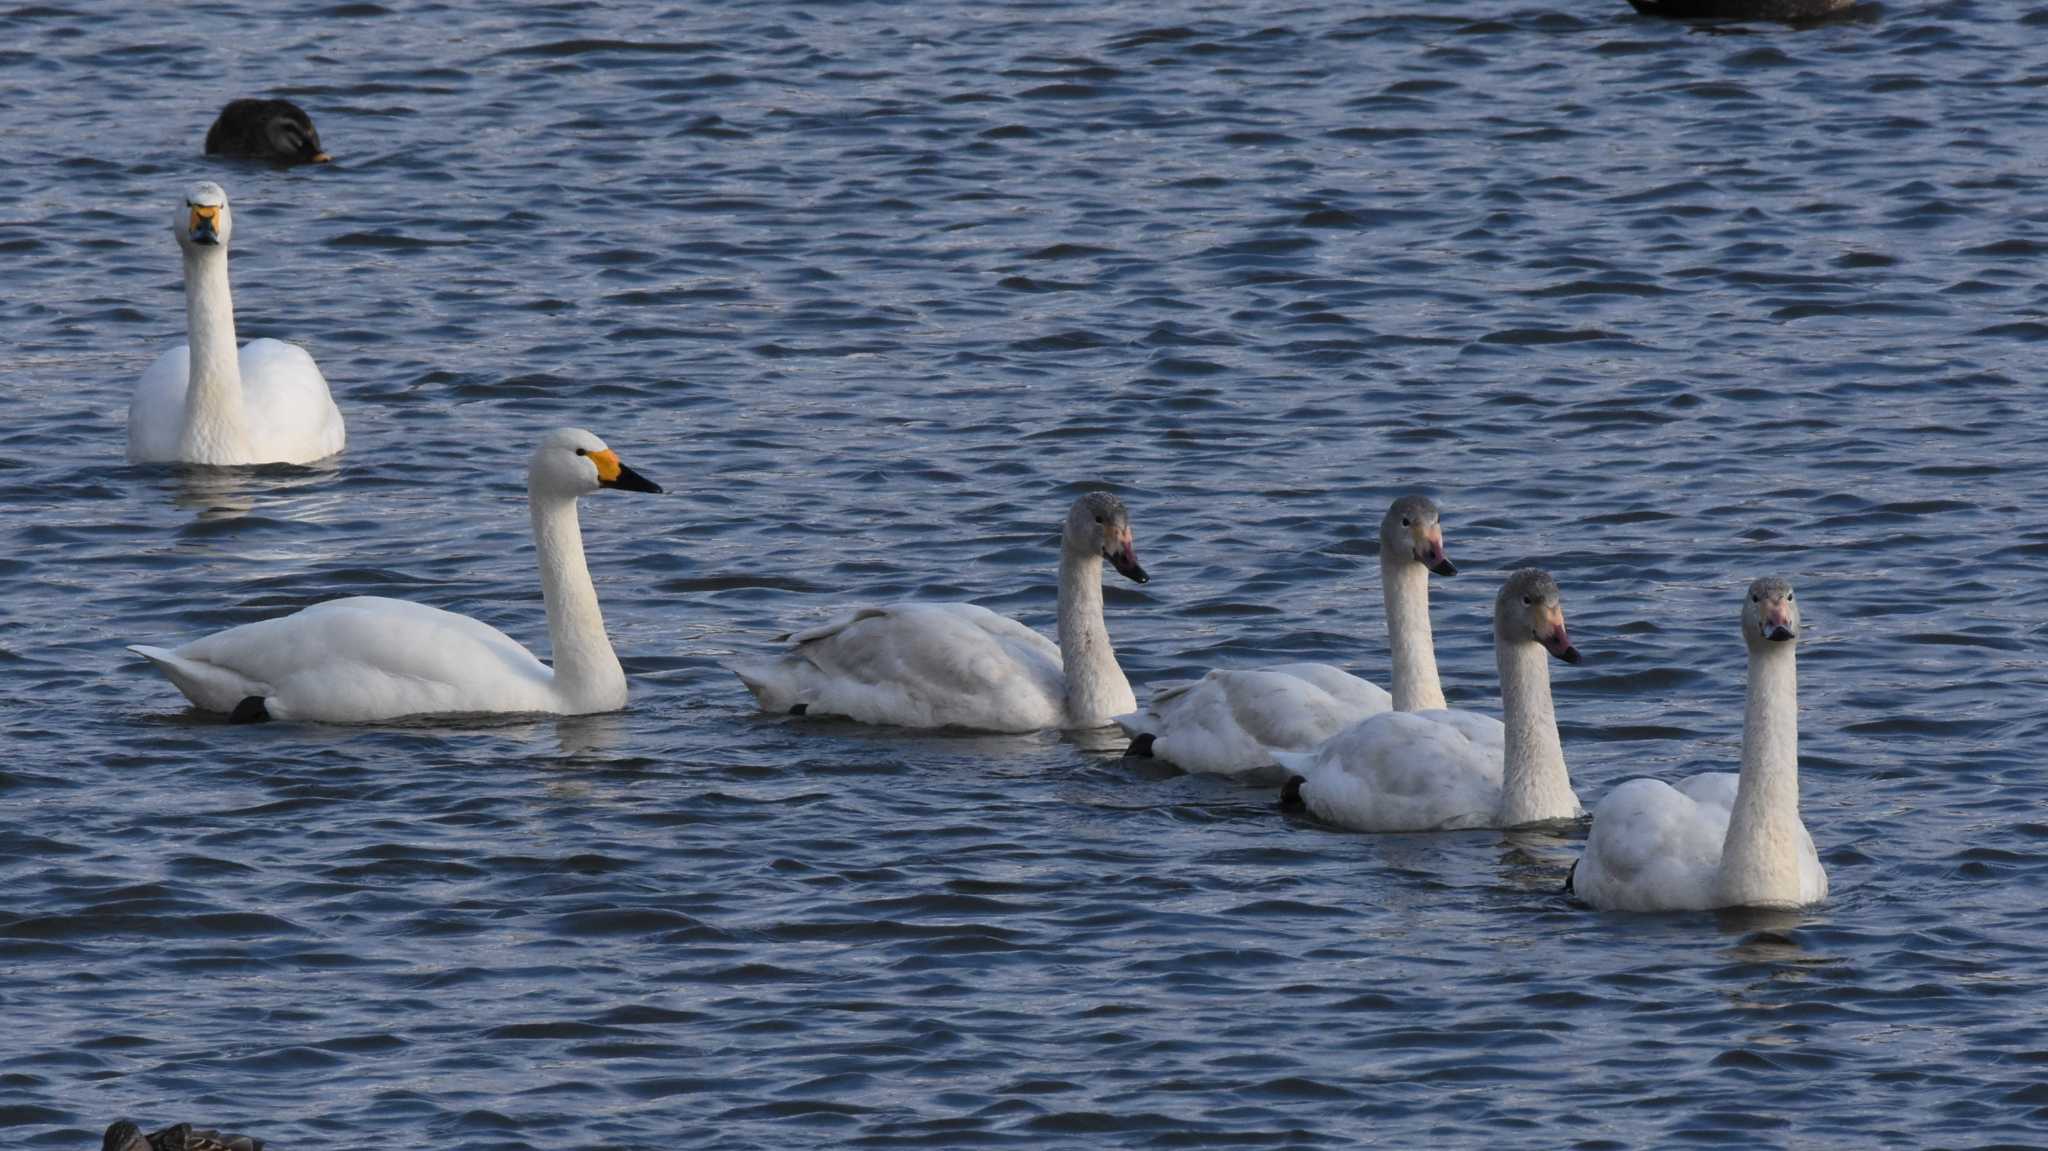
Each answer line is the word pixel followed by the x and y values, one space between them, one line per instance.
pixel 629 480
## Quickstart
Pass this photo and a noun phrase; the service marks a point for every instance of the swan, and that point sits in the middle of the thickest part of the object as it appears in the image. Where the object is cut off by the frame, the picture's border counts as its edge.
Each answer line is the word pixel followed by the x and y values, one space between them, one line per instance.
pixel 367 658
pixel 961 665
pixel 276 130
pixel 1443 769
pixel 1234 721
pixel 1718 840
pixel 123 1135
pixel 204 402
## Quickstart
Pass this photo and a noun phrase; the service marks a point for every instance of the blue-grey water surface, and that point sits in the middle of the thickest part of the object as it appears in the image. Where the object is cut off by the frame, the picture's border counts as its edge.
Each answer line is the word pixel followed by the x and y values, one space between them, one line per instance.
pixel 875 290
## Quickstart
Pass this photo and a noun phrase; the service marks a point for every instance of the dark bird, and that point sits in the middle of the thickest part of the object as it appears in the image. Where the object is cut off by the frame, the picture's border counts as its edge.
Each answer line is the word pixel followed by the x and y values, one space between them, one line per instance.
pixel 1790 10
pixel 126 1136
pixel 275 130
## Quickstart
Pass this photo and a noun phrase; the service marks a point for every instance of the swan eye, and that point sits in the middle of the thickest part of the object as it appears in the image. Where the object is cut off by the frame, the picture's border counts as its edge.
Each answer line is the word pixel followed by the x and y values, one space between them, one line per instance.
pixel 1098 519
pixel 1406 522
pixel 1527 600
pixel 581 452
pixel 1753 598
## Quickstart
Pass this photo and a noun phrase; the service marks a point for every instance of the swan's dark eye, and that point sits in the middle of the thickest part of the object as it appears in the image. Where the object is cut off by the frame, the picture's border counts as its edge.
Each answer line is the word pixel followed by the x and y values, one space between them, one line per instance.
pixel 1406 522
pixel 1527 600
pixel 1752 598
pixel 581 452
pixel 1098 519
pixel 1788 597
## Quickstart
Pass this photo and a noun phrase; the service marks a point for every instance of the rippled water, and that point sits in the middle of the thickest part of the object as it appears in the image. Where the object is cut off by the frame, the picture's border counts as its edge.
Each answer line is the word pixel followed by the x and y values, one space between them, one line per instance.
pixel 874 290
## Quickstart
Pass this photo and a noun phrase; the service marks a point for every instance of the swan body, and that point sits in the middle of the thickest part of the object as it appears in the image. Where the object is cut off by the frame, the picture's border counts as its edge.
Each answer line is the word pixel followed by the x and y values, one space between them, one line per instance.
pixel 1232 721
pixel 207 401
pixel 1718 839
pixel 960 665
pixel 365 659
pixel 1444 768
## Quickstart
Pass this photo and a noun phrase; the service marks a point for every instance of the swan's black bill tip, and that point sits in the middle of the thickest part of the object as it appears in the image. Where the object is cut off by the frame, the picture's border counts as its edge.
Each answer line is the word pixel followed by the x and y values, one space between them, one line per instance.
pixel 1444 568
pixel 250 710
pixel 1569 655
pixel 1141 747
pixel 1778 634
pixel 1290 794
pixel 629 480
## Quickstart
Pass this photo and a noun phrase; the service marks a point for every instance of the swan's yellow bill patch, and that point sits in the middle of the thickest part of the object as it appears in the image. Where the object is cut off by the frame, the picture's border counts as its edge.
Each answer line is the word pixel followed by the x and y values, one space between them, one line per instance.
pixel 607 462
pixel 202 213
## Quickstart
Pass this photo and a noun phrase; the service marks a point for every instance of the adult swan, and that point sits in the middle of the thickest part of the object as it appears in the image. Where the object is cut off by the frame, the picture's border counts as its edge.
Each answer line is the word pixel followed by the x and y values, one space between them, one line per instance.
pixel 1232 720
pixel 1718 840
pixel 208 402
pixel 962 665
pixel 365 659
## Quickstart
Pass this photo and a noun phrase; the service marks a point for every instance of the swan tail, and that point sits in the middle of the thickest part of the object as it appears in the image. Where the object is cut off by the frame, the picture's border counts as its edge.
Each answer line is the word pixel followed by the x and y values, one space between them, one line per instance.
pixel 1290 794
pixel 209 686
pixel 774 686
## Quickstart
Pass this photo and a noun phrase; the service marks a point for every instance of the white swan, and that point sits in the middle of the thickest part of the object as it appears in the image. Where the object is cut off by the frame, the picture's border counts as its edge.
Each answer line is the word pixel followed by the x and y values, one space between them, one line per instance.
pixel 1436 770
pixel 367 658
pixel 959 665
pixel 1718 840
pixel 204 401
pixel 1234 721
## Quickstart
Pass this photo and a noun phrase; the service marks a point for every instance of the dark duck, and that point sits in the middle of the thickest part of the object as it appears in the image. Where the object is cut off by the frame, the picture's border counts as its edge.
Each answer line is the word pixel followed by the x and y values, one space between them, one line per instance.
pixel 274 130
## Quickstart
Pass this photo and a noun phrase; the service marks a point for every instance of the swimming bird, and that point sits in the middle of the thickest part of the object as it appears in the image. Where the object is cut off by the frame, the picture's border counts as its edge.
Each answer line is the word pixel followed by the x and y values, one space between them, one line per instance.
pixel 275 130
pixel 962 665
pixel 123 1135
pixel 364 659
pixel 1232 721
pixel 207 402
pixel 1449 768
pixel 1787 10
pixel 1718 839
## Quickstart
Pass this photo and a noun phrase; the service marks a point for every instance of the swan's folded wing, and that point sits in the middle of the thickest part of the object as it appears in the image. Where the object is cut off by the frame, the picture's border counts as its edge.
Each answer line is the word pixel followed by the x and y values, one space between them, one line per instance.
pixel 1401 771
pixel 156 412
pixel 1654 847
pixel 931 665
pixel 1232 721
pixel 367 657
pixel 1358 697
pixel 292 417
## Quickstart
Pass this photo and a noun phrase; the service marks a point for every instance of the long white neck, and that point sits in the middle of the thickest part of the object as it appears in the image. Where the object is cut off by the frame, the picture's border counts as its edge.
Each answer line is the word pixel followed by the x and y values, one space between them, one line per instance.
pixel 216 428
pixel 1096 687
pixel 1534 785
pixel 1760 859
pixel 1406 586
pixel 587 673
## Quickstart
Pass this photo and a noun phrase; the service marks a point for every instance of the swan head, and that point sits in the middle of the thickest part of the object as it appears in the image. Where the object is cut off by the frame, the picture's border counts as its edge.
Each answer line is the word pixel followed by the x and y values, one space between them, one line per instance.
pixel 203 220
pixel 572 462
pixel 1530 609
pixel 1769 613
pixel 1099 525
pixel 1413 529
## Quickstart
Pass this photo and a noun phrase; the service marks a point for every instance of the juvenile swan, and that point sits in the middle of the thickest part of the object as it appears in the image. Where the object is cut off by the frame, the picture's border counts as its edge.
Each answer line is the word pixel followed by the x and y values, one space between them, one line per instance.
pixel 959 665
pixel 367 658
pixel 204 402
pixel 1718 840
pixel 1233 721
pixel 275 130
pixel 1435 770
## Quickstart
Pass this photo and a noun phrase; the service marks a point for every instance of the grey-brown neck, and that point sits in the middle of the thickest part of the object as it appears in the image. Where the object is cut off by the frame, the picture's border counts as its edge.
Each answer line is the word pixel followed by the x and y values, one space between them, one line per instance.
pixel 1535 786
pixel 1412 647
pixel 1096 687
pixel 1760 859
